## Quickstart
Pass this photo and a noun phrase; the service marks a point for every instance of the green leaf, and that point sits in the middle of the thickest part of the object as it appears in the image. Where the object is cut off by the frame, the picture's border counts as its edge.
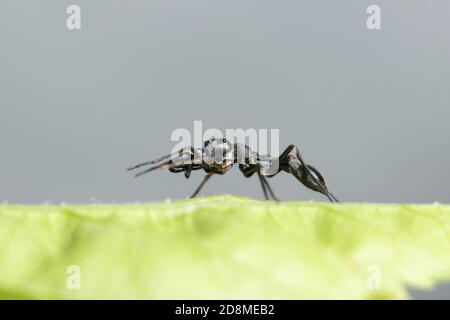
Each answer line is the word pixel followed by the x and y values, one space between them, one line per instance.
pixel 222 247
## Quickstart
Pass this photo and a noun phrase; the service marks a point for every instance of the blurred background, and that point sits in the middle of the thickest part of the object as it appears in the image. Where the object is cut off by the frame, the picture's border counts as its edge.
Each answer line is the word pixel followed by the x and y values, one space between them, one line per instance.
pixel 369 109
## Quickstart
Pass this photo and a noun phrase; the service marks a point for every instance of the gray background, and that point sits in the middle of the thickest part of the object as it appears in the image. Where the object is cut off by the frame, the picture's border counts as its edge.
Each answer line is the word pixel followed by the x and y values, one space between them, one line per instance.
pixel 370 109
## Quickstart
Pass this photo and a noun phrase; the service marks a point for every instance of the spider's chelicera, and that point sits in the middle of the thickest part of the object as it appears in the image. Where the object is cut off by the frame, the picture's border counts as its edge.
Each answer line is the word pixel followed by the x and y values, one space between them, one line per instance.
pixel 219 155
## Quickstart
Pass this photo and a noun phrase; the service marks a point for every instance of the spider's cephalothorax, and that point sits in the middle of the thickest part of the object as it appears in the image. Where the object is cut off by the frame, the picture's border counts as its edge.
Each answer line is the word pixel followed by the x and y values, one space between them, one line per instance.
pixel 219 155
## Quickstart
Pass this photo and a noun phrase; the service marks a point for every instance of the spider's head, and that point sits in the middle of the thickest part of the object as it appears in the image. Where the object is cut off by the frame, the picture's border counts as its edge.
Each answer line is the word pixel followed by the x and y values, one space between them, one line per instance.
pixel 218 153
pixel 313 180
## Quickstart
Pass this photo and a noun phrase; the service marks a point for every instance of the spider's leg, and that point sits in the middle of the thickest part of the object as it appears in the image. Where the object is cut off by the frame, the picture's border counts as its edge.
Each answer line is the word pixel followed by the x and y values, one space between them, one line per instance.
pixel 165 165
pixel 187 150
pixel 140 165
pixel 263 186
pixel 330 195
pixel 249 170
pixel 187 170
pixel 274 197
pixel 208 175
pixel 180 152
pixel 151 162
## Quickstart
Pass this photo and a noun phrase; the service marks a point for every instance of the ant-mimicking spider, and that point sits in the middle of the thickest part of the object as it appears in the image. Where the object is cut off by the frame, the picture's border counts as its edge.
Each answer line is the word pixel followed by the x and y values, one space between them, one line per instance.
pixel 219 155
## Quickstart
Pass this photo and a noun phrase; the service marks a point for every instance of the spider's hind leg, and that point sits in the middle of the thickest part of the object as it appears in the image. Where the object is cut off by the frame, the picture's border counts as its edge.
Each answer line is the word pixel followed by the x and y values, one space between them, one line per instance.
pixel 263 186
pixel 249 170
pixel 272 194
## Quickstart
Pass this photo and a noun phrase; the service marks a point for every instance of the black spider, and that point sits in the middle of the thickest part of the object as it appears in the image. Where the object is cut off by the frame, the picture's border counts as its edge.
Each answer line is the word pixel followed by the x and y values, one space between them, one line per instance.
pixel 219 155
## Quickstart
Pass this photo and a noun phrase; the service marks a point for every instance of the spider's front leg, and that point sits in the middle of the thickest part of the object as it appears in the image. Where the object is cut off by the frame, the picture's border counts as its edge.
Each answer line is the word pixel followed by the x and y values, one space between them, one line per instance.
pixel 186 159
pixel 205 179
pixel 207 165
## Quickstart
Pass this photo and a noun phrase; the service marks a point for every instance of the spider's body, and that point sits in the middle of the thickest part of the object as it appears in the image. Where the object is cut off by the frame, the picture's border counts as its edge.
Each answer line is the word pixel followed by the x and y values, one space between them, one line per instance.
pixel 219 155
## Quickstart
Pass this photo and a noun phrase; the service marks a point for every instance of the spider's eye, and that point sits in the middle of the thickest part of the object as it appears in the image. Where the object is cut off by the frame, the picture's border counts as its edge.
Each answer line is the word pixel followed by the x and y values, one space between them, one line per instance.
pixel 224 140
